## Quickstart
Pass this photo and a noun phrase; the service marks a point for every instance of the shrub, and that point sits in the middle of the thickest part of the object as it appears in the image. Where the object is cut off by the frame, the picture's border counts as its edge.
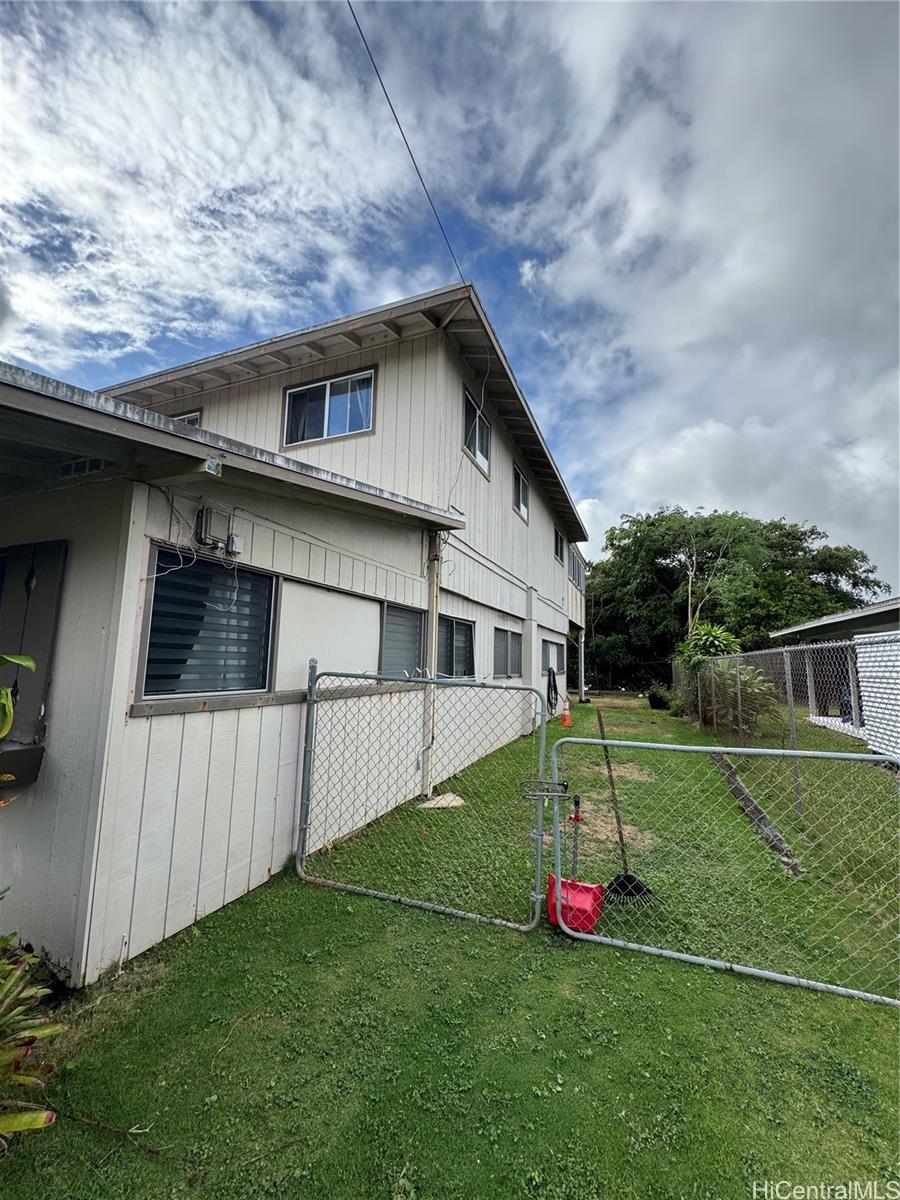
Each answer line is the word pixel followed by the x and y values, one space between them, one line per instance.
pixel 20 1030
pixel 706 641
pixel 758 701
pixel 659 696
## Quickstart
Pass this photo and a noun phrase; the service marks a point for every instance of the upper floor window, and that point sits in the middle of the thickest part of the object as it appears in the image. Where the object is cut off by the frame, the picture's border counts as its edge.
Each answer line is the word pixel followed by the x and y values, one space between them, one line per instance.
pixel 334 408
pixel 188 418
pixel 559 546
pixel 456 647
pixel 576 569
pixel 477 434
pixel 520 493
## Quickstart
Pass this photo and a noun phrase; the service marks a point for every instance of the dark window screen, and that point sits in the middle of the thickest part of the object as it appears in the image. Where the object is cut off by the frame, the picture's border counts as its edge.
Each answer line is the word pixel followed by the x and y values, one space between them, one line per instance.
pixel 456 647
pixel 209 629
pixel 402 650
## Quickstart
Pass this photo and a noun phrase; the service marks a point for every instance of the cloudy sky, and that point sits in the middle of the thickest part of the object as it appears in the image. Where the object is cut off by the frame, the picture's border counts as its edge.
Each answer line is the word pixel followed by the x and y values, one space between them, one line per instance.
pixel 681 218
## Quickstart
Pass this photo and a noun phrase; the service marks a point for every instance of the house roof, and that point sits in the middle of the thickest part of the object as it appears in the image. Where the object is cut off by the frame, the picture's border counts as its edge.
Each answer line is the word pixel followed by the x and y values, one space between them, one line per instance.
pixel 47 426
pixel 456 311
pixel 881 617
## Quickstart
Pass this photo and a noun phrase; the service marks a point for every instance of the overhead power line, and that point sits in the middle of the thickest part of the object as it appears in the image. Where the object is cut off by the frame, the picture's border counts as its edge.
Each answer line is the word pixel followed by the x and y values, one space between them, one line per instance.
pixel 406 144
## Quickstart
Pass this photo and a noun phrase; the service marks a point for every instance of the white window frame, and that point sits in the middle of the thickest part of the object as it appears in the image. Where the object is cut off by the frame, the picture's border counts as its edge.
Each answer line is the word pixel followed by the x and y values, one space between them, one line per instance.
pixel 192 418
pixel 423 621
pixel 480 419
pixel 454 621
pixel 509 635
pixel 559 540
pixel 520 492
pixel 546 645
pixel 328 384
pixel 147 621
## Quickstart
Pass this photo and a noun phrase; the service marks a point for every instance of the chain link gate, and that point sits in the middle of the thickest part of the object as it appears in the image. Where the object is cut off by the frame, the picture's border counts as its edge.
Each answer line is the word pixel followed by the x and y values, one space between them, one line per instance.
pixel 746 871
pixel 427 792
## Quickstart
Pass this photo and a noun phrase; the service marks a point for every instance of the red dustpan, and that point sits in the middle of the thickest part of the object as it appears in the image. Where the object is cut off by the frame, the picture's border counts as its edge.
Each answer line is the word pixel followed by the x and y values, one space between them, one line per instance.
pixel 582 903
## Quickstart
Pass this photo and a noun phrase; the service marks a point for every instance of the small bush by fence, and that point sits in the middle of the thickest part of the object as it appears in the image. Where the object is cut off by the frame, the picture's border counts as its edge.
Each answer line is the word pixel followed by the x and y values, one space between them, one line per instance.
pixel 830 696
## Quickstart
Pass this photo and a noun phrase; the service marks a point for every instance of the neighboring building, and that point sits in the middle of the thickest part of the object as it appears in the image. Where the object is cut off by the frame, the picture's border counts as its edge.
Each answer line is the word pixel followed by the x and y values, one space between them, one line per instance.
pixel 175 550
pixel 881 617
pixel 850 680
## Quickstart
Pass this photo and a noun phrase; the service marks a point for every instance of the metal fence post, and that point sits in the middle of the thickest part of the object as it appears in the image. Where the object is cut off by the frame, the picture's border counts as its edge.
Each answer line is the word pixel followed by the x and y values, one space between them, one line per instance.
pixel 792 733
pixel 810 685
pixel 737 697
pixel 308 750
pixel 712 696
pixel 855 712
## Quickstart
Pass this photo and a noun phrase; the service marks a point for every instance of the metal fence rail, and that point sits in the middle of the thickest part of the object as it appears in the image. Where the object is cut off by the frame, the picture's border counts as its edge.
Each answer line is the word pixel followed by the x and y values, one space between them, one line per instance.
pixel 426 792
pixel 830 696
pixel 740 875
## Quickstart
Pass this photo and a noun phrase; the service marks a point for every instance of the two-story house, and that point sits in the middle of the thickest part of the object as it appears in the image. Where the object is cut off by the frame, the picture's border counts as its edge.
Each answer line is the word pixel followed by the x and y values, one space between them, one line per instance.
pixel 373 491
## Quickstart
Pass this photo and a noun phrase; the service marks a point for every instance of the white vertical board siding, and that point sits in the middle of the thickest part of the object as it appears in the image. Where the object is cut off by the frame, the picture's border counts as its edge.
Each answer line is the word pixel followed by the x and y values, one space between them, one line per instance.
pixel 187 840
pixel 415 448
pixel 878 669
pixel 265 807
pixel 156 821
pixel 223 767
pixel 243 803
pixel 43 833
pixel 205 812
pixel 575 604
pixel 373 555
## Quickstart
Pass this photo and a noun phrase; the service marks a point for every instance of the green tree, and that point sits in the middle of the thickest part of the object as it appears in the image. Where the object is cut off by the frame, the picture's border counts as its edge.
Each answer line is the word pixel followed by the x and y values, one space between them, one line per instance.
pixel 665 570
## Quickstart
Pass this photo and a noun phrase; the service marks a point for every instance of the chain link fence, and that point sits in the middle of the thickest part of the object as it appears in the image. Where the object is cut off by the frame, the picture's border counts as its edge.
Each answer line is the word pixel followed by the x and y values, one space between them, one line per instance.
pixel 785 863
pixel 831 696
pixel 426 792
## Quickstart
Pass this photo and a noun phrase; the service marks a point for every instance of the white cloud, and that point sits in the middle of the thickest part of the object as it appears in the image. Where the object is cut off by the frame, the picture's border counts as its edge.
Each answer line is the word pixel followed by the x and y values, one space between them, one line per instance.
pixel 177 172
pixel 700 202
pixel 742 235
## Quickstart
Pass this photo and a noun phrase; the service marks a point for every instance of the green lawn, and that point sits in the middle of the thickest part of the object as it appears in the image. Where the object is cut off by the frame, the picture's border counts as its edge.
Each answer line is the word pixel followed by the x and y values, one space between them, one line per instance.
pixel 307 1043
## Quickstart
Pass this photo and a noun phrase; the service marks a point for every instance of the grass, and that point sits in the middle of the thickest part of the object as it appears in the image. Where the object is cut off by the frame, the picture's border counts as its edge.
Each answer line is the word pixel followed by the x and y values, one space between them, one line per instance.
pixel 308 1043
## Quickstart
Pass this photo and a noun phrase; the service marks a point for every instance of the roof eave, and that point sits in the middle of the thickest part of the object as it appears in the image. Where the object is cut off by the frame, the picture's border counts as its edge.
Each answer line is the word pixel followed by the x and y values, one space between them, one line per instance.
pixel 59 401
pixel 188 382
pixel 851 614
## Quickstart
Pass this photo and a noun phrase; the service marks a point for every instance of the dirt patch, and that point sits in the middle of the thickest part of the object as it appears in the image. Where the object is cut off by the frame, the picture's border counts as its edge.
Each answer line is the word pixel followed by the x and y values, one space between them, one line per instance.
pixel 632 771
pixel 598 827
pixel 618 700
pixel 620 771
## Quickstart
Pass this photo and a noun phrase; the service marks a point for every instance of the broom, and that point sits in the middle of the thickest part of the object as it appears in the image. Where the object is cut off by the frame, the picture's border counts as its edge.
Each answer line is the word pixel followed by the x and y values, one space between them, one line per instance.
pixel 624 886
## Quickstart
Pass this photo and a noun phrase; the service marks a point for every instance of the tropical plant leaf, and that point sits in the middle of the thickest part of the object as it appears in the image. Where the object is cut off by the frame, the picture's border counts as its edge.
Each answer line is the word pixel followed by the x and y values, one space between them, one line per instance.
pixel 7 711
pixel 20 1029
pixel 19 660
pixel 19 1122
pixel 12 1056
pixel 41 1027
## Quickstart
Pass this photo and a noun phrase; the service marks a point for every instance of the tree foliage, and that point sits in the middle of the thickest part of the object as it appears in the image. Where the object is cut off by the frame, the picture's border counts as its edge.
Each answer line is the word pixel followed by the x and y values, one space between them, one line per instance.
pixel 665 570
pixel 706 641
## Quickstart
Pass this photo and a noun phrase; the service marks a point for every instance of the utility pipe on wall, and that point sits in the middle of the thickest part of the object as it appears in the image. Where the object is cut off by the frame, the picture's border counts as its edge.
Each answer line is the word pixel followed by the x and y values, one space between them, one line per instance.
pixel 582 689
pixel 432 620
